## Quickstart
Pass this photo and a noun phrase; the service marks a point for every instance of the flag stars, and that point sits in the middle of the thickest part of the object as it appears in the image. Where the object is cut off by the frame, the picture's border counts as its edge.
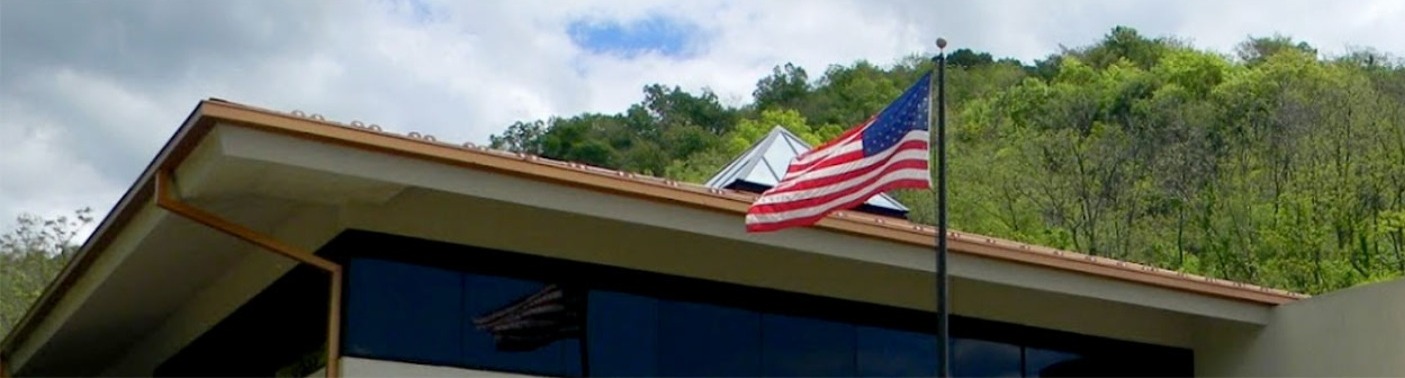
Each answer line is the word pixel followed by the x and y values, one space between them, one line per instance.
pixel 907 114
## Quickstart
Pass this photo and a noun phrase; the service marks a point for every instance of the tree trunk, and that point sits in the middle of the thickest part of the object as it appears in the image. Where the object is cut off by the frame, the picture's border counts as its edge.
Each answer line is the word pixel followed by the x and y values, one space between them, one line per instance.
pixel 1398 239
pixel 1180 237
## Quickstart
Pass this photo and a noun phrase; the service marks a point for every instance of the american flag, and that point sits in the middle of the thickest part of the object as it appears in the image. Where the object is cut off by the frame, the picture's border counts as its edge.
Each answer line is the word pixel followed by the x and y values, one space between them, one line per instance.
pixel 886 152
pixel 551 314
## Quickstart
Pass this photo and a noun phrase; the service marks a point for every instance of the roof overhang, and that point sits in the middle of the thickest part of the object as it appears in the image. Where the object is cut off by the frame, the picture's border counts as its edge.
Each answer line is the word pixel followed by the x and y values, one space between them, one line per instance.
pixel 303 180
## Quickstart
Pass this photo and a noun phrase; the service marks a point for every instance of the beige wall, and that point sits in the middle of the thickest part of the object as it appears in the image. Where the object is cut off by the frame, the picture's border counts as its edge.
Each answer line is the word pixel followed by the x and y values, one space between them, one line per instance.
pixel 1353 332
pixel 362 367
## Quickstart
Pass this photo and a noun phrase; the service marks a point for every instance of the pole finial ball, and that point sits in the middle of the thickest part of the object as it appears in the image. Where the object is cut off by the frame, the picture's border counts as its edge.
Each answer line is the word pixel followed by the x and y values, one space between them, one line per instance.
pixel 941 43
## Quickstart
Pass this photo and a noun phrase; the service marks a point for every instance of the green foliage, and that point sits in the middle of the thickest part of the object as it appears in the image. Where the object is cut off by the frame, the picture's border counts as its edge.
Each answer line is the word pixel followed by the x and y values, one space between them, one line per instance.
pixel 966 58
pixel 1125 44
pixel 787 87
pixel 31 255
pixel 670 124
pixel 1257 49
pixel 1272 166
pixel 1194 71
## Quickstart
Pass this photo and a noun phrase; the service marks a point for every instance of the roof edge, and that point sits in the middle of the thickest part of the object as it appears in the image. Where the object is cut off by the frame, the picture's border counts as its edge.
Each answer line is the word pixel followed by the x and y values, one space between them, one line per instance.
pixel 426 147
pixel 180 144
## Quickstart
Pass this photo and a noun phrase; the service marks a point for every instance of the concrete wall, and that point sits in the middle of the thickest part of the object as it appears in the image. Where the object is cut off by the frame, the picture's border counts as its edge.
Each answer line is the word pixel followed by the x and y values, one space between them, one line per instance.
pixel 1356 332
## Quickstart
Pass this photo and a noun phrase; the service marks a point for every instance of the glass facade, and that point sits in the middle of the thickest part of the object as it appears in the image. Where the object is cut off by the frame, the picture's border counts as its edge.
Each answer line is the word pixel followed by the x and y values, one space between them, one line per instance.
pixel 503 312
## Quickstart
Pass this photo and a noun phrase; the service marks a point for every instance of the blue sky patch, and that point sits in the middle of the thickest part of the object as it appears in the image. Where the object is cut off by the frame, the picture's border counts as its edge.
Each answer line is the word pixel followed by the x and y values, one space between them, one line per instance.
pixel 418 11
pixel 654 34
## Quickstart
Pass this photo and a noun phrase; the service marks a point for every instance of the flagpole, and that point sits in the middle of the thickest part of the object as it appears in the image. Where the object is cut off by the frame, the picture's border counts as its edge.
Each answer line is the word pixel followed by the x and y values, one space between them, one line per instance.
pixel 939 138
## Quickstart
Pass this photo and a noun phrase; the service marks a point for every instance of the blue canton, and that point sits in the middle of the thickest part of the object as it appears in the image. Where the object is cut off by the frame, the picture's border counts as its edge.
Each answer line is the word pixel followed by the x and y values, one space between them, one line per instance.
pixel 907 113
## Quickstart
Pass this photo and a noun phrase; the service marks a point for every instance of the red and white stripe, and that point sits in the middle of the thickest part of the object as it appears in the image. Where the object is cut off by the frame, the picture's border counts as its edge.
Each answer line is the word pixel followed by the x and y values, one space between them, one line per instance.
pixel 837 175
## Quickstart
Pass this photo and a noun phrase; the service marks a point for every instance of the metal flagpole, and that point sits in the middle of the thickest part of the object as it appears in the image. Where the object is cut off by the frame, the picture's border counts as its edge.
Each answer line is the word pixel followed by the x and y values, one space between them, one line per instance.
pixel 939 138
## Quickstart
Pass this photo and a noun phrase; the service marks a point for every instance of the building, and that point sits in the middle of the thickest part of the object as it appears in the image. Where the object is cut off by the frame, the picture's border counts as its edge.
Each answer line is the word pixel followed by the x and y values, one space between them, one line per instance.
pixel 257 241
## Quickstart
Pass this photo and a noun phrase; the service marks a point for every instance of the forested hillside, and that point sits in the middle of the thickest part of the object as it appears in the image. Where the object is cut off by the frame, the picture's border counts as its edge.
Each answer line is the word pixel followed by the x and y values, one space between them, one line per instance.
pixel 1269 164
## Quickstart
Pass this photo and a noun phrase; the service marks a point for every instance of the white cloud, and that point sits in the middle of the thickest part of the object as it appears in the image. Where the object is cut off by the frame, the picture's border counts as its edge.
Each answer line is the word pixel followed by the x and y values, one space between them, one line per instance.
pixel 88 94
pixel 40 175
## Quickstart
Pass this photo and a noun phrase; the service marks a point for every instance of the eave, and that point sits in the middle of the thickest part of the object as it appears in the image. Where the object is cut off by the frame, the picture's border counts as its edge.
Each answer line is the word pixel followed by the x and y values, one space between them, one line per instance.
pixel 729 203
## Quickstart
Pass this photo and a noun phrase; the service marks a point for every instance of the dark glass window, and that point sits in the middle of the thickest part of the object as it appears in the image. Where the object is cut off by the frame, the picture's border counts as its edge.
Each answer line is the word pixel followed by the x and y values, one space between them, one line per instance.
pixel 697 339
pixel 434 307
pixel 486 294
pixel 404 312
pixel 981 358
pixel 885 352
pixel 806 347
pixel 1039 361
pixel 622 332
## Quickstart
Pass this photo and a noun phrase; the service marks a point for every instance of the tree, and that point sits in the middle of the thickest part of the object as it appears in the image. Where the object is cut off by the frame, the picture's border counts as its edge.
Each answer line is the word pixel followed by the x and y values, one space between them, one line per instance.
pixel 966 58
pixel 785 88
pixel 849 95
pixel 1125 43
pixel 524 137
pixel 1256 50
pixel 31 255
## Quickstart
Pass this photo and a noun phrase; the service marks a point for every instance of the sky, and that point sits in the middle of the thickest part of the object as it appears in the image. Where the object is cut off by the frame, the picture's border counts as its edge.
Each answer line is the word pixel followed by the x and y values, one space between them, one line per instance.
pixel 90 90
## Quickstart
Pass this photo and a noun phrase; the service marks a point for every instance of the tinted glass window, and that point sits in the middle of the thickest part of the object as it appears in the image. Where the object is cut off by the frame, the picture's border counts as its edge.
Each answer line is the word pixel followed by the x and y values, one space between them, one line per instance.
pixel 698 339
pixel 622 334
pixel 806 347
pixel 1048 363
pixel 883 352
pixel 403 312
pixel 484 295
pixel 475 310
pixel 980 358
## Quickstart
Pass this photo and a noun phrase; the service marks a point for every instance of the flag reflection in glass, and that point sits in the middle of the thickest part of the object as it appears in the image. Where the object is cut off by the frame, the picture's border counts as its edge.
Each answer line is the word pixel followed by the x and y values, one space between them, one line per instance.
pixel 556 312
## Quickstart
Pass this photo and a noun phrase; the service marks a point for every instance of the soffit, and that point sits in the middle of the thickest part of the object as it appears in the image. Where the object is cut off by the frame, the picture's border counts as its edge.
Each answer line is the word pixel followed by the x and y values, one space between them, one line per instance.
pixel 426 147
